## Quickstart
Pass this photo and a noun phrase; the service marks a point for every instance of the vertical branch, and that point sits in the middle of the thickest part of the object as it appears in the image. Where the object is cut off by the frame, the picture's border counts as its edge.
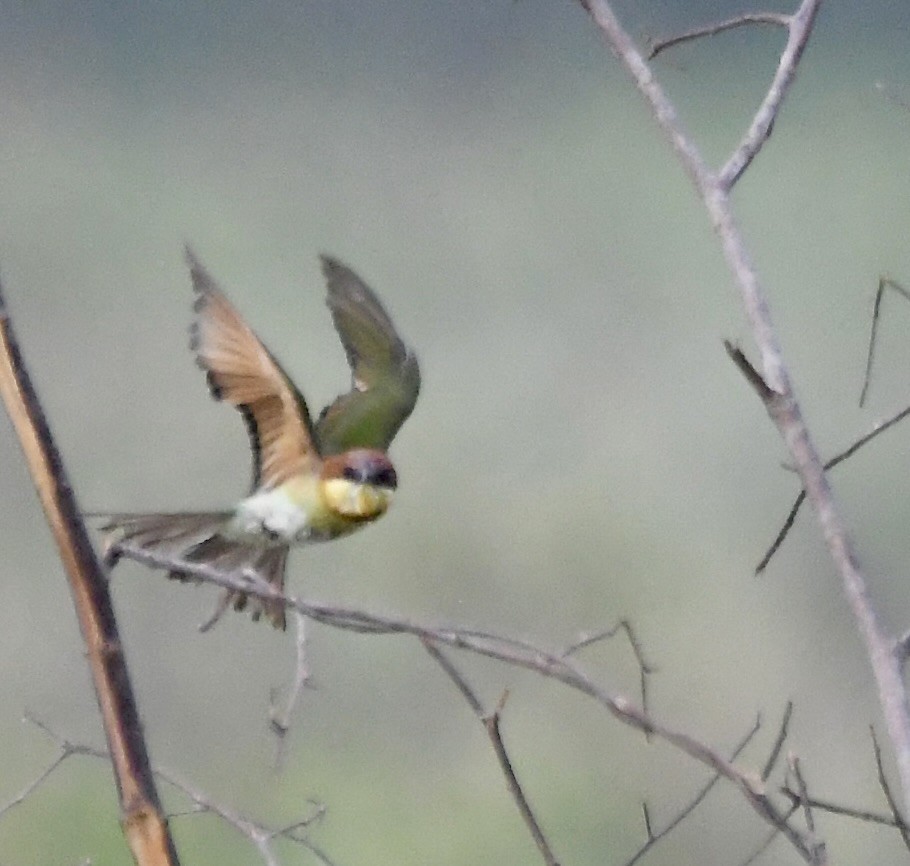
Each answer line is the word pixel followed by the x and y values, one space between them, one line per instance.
pixel 781 403
pixel 142 818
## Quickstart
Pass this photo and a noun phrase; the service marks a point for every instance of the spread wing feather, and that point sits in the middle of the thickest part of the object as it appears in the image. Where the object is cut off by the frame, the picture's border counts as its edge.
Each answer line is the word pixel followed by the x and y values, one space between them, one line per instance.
pixel 385 373
pixel 242 372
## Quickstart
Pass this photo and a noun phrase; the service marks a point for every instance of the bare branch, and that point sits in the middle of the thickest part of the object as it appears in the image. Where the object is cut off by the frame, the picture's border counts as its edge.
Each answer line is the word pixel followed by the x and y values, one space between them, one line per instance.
pixel 779 742
pixel 818 848
pixel 900 823
pixel 765 393
pixel 646 817
pixel 799 25
pixel 821 805
pixel 769 839
pixel 848 452
pixel 644 668
pixel 774 18
pixel 280 719
pixel 883 283
pixel 259 835
pixel 509 650
pixel 490 722
pixel 456 677
pixel 652 837
pixel 784 410
pixel 143 822
pixel 801 791
pixel 66 750
pixel 782 534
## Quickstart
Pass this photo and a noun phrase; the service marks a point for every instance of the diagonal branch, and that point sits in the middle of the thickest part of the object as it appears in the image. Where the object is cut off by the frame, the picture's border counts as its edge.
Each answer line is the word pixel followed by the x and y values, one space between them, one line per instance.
pixel 143 822
pixel 490 721
pixel 553 665
pixel 886 789
pixel 653 837
pixel 799 25
pixel 848 452
pixel 779 741
pixel 883 283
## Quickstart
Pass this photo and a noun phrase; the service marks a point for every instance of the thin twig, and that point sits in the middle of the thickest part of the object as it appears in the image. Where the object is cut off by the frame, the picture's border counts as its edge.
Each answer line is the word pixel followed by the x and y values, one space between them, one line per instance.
pixel 658 45
pixel 645 669
pixel 652 837
pixel 818 848
pixel 802 791
pixel 766 843
pixel 883 283
pixel 886 789
pixel 832 808
pixel 765 393
pixel 259 835
pixel 142 818
pixel 646 817
pixel 280 718
pixel 782 534
pixel 505 649
pixel 778 742
pixel 799 26
pixel 491 723
pixel 848 452
pixel 66 750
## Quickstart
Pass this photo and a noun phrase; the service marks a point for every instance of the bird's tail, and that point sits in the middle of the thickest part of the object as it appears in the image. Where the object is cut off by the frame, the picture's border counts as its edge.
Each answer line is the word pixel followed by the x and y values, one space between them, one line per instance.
pixel 195 538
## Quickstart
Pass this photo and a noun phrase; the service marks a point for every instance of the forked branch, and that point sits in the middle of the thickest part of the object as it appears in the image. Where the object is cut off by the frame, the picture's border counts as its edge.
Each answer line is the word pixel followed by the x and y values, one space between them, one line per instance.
pixel 555 665
pixel 784 409
pixel 773 18
pixel 491 723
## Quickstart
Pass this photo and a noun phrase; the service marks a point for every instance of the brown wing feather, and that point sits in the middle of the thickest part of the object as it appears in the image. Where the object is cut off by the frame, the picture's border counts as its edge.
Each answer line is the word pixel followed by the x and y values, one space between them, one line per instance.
pixel 242 372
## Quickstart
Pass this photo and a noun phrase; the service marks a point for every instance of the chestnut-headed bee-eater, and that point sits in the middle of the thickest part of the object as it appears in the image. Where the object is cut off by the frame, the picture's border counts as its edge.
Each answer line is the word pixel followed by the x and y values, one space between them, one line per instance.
pixel 311 481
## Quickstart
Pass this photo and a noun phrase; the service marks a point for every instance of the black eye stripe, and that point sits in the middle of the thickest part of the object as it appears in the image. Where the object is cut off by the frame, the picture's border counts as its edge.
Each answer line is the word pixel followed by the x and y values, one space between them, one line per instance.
pixel 385 477
pixel 380 475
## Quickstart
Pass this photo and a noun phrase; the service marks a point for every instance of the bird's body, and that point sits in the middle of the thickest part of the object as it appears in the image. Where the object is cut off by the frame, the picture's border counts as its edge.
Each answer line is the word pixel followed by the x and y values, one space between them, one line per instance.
pixel 311 482
pixel 310 507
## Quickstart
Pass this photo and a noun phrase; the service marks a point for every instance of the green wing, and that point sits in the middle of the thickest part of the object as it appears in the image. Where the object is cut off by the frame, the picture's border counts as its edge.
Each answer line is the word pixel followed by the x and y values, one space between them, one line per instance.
pixel 385 374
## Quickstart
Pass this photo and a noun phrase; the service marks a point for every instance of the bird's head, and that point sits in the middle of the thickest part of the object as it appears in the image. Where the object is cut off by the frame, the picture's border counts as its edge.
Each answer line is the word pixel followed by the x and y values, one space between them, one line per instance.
pixel 359 483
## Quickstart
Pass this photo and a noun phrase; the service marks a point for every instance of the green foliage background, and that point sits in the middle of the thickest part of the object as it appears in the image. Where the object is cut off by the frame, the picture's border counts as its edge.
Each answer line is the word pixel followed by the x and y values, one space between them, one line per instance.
pixel 582 450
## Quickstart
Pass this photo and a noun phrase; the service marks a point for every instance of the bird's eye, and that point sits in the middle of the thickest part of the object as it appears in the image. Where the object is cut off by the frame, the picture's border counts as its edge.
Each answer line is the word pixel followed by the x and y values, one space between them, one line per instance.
pixel 386 477
pixel 350 473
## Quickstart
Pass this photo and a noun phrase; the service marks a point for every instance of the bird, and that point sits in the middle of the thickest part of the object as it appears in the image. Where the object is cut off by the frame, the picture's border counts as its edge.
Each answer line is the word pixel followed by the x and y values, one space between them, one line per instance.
pixel 311 481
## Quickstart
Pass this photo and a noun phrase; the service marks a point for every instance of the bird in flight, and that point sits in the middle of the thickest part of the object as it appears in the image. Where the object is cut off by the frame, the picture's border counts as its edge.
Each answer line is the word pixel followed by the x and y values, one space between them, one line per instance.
pixel 311 481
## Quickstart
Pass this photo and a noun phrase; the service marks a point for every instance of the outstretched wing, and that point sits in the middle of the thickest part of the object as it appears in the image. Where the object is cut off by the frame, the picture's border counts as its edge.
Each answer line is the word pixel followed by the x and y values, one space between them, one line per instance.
pixel 242 372
pixel 385 374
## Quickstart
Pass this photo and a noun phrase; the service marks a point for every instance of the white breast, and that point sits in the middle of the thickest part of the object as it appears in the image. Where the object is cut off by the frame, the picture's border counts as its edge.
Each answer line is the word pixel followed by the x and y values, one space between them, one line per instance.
pixel 270 515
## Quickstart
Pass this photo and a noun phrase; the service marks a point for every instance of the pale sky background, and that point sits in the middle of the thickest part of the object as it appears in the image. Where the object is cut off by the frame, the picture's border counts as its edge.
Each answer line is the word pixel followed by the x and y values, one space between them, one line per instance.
pixel 582 450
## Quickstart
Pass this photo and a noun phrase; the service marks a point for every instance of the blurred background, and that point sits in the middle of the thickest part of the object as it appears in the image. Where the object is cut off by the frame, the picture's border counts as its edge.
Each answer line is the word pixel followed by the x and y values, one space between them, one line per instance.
pixel 583 450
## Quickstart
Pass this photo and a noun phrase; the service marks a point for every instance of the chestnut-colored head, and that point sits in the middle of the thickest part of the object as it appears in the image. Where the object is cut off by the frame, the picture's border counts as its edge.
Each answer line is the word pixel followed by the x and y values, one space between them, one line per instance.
pixel 359 483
